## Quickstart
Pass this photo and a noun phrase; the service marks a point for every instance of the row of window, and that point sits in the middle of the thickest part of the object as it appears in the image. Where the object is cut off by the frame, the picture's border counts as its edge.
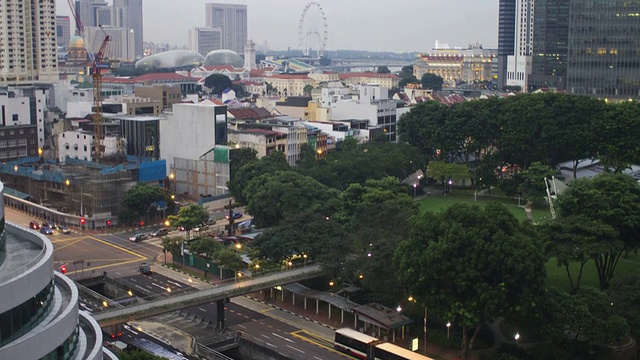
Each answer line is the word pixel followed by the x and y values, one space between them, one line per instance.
pixel 13 143
pixel 13 154
pixel 20 320
pixel 67 350
pixel 21 131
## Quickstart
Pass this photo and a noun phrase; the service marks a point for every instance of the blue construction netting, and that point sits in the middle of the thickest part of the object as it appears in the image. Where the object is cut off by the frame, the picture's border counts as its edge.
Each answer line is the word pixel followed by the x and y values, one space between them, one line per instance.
pixel 152 171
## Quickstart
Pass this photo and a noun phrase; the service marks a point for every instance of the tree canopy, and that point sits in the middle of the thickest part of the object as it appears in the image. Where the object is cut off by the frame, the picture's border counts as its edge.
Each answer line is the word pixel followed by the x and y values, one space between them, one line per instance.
pixel 217 83
pixel 140 198
pixel 273 162
pixel 471 265
pixel 611 202
pixel 383 70
pixel 432 81
pixel 190 217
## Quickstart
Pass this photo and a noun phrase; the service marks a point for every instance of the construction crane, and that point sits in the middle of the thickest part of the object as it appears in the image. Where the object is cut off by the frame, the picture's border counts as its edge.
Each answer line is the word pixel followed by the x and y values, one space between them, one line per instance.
pixel 98 63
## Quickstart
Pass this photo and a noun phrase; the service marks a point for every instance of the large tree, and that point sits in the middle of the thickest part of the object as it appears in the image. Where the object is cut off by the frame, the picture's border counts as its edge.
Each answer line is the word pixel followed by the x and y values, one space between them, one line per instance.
pixel 272 197
pixel 140 198
pixel 190 217
pixel 275 161
pixel 471 265
pixel 625 296
pixel 432 81
pixel 423 128
pixel 614 201
pixel 217 83
pixel 239 158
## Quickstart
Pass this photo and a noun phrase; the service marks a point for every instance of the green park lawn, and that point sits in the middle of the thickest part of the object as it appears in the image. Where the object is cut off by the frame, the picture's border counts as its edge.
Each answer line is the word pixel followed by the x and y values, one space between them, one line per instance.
pixel 556 276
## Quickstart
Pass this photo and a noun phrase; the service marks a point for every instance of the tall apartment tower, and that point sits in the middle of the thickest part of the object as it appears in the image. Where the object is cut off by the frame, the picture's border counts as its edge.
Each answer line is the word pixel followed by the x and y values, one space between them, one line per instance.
pixel 519 64
pixel 603 56
pixel 506 37
pixel 28 41
pixel 232 19
pixel 63 31
pixel 131 19
pixel 203 40
pixel 550 45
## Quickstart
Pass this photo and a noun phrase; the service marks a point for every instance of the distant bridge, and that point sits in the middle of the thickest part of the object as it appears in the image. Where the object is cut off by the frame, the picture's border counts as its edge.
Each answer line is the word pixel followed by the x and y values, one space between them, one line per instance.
pixel 218 293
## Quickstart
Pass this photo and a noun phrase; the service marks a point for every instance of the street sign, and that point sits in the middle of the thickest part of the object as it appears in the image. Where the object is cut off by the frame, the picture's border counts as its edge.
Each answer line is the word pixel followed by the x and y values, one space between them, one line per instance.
pixel 414 344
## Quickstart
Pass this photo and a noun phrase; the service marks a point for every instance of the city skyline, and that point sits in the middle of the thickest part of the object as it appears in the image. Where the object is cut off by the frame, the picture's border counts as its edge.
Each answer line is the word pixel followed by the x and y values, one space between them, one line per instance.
pixel 381 25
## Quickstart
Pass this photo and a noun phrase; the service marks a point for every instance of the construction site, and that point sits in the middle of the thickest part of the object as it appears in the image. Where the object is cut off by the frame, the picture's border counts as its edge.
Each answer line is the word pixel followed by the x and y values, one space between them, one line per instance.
pixel 65 192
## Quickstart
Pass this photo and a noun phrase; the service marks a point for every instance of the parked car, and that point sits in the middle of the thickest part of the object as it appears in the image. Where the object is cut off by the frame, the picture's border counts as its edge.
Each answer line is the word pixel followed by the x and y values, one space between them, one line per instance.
pixel 235 215
pixel 64 229
pixel 136 238
pixel 46 230
pixel 34 225
pixel 160 232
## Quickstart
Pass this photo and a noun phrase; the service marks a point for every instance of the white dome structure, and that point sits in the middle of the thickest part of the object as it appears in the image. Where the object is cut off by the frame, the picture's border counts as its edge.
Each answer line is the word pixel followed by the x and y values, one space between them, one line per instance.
pixel 171 59
pixel 223 58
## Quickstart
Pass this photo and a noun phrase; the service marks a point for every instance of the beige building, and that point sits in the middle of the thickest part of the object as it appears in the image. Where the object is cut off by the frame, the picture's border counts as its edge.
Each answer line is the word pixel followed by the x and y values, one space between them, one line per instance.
pixel 263 141
pixel 369 78
pixel 471 64
pixel 290 84
pixel 315 112
pixel 166 94
pixel 325 77
pixel 28 42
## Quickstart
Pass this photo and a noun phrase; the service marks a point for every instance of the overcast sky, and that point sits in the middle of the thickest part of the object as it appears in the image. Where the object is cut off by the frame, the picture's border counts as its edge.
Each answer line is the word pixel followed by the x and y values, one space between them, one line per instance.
pixel 375 25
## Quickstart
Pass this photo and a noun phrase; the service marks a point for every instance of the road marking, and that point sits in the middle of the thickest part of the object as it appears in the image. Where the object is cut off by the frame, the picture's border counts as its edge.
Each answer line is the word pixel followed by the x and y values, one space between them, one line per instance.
pixel 67 239
pixel 282 337
pixel 105 266
pixel 242 326
pixel 296 349
pixel 319 341
pixel 118 247
pixel 201 309
pixel 265 336
pixel 174 283
pixel 315 357
pixel 161 287
pixel 67 245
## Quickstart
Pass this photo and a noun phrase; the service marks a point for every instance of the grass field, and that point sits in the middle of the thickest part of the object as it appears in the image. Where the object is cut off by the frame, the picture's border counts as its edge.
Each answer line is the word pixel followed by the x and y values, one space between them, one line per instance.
pixel 439 202
pixel 556 276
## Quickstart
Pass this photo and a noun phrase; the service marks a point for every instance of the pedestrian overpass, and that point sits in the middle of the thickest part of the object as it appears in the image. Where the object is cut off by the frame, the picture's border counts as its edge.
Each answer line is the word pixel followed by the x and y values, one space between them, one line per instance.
pixel 218 293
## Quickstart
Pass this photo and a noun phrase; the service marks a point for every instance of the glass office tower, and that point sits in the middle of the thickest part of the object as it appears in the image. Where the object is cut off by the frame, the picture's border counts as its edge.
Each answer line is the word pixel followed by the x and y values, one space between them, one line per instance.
pixel 604 48
pixel 550 45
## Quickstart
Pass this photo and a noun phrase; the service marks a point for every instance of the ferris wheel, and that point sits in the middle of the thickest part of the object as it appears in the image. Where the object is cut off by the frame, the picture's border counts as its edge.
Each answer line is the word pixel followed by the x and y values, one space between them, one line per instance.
pixel 304 35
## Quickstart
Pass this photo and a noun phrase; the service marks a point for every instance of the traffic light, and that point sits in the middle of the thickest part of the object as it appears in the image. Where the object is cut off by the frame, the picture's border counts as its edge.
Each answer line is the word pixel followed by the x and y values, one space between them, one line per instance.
pixel 108 222
pixel 82 221
pixel 63 269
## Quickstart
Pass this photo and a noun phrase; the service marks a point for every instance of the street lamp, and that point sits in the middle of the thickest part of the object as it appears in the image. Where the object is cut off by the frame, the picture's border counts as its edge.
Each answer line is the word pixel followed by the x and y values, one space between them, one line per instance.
pixel 167 223
pixel 448 327
pixel 304 259
pixel 399 308
pixel 517 337
pixel 414 189
pixel 450 183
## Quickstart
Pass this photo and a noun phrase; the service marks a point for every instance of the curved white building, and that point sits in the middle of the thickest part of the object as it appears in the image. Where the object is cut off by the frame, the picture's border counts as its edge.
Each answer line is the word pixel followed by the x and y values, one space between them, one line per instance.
pixel 39 316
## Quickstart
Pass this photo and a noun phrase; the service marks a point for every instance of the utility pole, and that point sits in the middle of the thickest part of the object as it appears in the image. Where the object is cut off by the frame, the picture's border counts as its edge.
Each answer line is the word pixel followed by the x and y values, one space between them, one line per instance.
pixel 230 219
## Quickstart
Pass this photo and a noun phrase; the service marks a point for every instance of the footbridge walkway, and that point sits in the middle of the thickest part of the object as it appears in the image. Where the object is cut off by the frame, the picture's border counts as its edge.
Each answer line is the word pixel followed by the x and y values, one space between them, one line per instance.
pixel 218 293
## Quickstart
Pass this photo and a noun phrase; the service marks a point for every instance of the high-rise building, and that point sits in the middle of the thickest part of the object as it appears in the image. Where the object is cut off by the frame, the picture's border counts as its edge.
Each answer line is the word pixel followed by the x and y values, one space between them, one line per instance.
pixel 87 10
pixel 119 47
pixel 232 19
pixel 519 64
pixel 604 42
pixel 203 40
pixel 506 37
pixel 130 14
pixel 550 45
pixel 63 31
pixel 28 42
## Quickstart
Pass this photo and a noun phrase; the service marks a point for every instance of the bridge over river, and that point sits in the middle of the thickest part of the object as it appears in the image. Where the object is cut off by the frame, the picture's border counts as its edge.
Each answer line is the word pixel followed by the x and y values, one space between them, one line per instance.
pixel 218 293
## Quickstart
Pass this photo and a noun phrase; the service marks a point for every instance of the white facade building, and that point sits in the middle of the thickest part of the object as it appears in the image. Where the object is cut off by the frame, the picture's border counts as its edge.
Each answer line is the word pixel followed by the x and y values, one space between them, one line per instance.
pixel 28 41
pixel 373 105
pixel 519 64
pixel 250 55
pixel 203 40
pixel 19 101
pixel 189 139
pixel 77 144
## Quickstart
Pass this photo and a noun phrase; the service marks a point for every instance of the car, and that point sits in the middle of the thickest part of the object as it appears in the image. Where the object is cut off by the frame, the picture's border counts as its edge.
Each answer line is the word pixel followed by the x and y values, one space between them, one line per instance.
pixel 34 225
pixel 181 228
pixel 145 268
pixel 211 221
pixel 136 238
pixel 160 232
pixel 46 230
pixel 235 215
pixel 49 224
pixel 64 229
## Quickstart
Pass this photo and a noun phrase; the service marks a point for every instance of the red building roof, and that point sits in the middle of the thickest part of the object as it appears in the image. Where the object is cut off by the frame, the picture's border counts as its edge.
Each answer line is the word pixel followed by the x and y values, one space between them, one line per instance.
pixel 368 75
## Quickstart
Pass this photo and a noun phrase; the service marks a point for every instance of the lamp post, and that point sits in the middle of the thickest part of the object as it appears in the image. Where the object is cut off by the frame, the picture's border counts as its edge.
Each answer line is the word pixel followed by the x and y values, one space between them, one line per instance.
pixel 517 337
pixel 450 183
pixel 304 260
pixel 414 189
pixel 448 327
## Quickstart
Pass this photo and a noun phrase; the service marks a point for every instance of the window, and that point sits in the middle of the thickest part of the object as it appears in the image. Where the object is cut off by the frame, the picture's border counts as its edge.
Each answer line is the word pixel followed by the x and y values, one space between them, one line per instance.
pixel 15 117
